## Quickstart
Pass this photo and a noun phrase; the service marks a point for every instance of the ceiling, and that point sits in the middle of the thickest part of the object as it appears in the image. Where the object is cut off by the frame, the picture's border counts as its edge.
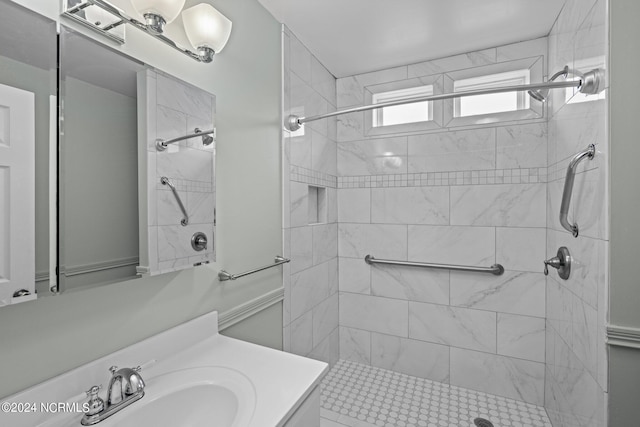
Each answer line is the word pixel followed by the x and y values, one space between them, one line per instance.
pixel 355 36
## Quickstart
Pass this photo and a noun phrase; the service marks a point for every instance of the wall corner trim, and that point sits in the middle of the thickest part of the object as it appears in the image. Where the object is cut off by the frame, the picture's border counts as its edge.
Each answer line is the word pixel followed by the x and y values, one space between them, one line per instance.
pixel 623 336
pixel 249 308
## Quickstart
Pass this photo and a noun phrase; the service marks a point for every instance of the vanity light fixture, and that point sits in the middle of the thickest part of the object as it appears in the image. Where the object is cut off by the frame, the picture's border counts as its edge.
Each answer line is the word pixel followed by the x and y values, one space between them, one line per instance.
pixel 206 29
pixel 158 13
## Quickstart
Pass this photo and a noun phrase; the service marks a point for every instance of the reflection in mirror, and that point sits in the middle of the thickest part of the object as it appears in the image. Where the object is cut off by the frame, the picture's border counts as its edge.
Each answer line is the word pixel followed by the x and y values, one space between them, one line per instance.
pixel 98 161
pixel 129 205
pixel 27 123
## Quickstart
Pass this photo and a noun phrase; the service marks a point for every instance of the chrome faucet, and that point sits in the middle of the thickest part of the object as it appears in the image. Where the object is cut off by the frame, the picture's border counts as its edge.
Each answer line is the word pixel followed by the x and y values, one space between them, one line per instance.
pixel 125 387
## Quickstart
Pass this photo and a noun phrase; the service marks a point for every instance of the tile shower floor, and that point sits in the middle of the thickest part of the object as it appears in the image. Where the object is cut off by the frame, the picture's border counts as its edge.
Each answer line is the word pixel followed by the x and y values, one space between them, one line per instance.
pixel 358 395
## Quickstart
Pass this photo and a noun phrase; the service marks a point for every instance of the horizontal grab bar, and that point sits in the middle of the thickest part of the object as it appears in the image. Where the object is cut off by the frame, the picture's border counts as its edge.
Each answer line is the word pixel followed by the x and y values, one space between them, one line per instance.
pixel 590 152
pixel 161 144
pixel 495 269
pixel 225 275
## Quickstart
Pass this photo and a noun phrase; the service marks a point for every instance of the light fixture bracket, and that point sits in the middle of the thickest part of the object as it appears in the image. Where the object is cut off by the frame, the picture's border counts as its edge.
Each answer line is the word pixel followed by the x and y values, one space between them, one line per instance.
pixel 77 10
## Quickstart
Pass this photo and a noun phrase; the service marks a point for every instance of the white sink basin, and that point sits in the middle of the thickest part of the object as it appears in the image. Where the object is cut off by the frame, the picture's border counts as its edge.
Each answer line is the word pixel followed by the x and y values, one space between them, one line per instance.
pixel 213 396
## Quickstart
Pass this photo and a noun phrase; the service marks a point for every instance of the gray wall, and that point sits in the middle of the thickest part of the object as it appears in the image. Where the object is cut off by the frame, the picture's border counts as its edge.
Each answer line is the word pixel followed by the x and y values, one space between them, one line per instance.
pixel 49 336
pixel 624 363
pixel 100 176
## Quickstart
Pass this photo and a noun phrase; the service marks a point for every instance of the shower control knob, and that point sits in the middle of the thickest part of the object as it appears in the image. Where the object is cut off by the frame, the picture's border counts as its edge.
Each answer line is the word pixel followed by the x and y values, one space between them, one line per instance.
pixel 199 241
pixel 561 262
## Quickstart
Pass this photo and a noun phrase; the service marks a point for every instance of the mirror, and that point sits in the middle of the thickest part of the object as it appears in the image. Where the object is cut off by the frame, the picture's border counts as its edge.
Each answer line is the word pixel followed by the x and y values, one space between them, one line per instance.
pixel 126 207
pixel 27 133
pixel 82 200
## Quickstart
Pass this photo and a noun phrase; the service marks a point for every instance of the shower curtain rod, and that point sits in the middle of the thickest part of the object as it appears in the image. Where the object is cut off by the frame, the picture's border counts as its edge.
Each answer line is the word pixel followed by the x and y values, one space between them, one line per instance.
pixel 589 83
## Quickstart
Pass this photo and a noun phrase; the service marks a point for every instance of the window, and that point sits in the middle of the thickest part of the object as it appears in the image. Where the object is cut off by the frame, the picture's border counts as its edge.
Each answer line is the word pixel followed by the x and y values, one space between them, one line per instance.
pixel 401 114
pixel 492 103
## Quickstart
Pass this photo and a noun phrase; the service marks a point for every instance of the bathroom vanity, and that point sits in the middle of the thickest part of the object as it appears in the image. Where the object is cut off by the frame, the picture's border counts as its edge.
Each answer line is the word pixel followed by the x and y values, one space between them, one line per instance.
pixel 191 376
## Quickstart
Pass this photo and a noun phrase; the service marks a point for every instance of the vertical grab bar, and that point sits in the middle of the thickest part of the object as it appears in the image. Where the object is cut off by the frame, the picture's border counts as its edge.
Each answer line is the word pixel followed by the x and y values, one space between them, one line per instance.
pixel 568 188
pixel 165 181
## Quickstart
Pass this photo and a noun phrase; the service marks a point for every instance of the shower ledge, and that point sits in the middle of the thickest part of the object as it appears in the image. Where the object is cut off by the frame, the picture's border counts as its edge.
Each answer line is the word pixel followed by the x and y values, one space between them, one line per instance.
pixel 284 385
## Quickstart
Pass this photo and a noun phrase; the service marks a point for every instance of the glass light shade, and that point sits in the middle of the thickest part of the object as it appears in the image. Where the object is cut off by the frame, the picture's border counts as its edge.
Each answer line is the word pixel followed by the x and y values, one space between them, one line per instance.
pixel 168 9
pixel 206 27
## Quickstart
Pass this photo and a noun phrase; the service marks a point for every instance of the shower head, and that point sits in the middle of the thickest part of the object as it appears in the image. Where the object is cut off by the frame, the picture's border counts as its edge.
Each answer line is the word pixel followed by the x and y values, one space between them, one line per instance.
pixel 207 139
pixel 541 94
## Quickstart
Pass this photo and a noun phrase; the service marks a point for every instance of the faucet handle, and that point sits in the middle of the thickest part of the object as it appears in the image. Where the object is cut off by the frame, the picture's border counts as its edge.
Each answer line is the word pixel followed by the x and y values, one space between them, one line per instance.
pixel 113 370
pixel 96 404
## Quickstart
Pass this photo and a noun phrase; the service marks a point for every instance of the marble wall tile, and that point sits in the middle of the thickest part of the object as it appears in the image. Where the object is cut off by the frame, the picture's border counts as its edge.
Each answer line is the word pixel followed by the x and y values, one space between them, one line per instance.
pixel 585 335
pixel 413 284
pixel 354 205
pixel 323 154
pixel 305 101
pixel 350 90
pixel 301 249
pixel 333 276
pixel 185 163
pixel 504 376
pixel 354 276
pixel 323 81
pixel 299 196
pixel 168 210
pixel 325 242
pixel 350 127
pixel 180 96
pixel 328 350
pixel 453 326
pixel 355 345
pixel 299 59
pixel 578 125
pixel 450 63
pixel 300 149
pixel 523 146
pixel 174 241
pixel 411 357
pixel 308 289
pixel 332 205
pixel 375 314
pixel 373 157
pixel 452 245
pixel 499 205
pixel 522 337
pixel 169 124
pixel 560 310
pixel 410 205
pixel 301 334
pixel 526 49
pixel 513 292
pixel 381 241
pixel 589 205
pixel 325 319
pixel 201 207
pixel 521 249
pixel 452 151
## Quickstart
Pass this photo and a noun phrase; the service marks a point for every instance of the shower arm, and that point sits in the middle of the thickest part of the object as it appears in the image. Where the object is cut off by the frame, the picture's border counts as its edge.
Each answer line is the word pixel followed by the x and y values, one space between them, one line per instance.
pixel 161 144
pixel 589 83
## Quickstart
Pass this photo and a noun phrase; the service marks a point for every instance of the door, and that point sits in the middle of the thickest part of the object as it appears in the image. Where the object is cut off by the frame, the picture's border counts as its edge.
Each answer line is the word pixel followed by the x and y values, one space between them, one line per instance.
pixel 17 193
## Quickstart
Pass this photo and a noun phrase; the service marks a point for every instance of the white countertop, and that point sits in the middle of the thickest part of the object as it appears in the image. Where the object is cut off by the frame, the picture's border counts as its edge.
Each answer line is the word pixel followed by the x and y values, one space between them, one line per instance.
pixel 282 381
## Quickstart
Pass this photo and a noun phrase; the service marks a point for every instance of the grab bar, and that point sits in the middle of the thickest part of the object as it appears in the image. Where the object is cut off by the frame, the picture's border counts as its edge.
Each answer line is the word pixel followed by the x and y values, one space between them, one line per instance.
pixel 225 275
pixel 495 269
pixel 590 152
pixel 165 181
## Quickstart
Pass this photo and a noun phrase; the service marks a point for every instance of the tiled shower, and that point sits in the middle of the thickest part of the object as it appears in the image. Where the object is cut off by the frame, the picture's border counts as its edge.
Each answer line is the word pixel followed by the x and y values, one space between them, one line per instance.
pixel 456 192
